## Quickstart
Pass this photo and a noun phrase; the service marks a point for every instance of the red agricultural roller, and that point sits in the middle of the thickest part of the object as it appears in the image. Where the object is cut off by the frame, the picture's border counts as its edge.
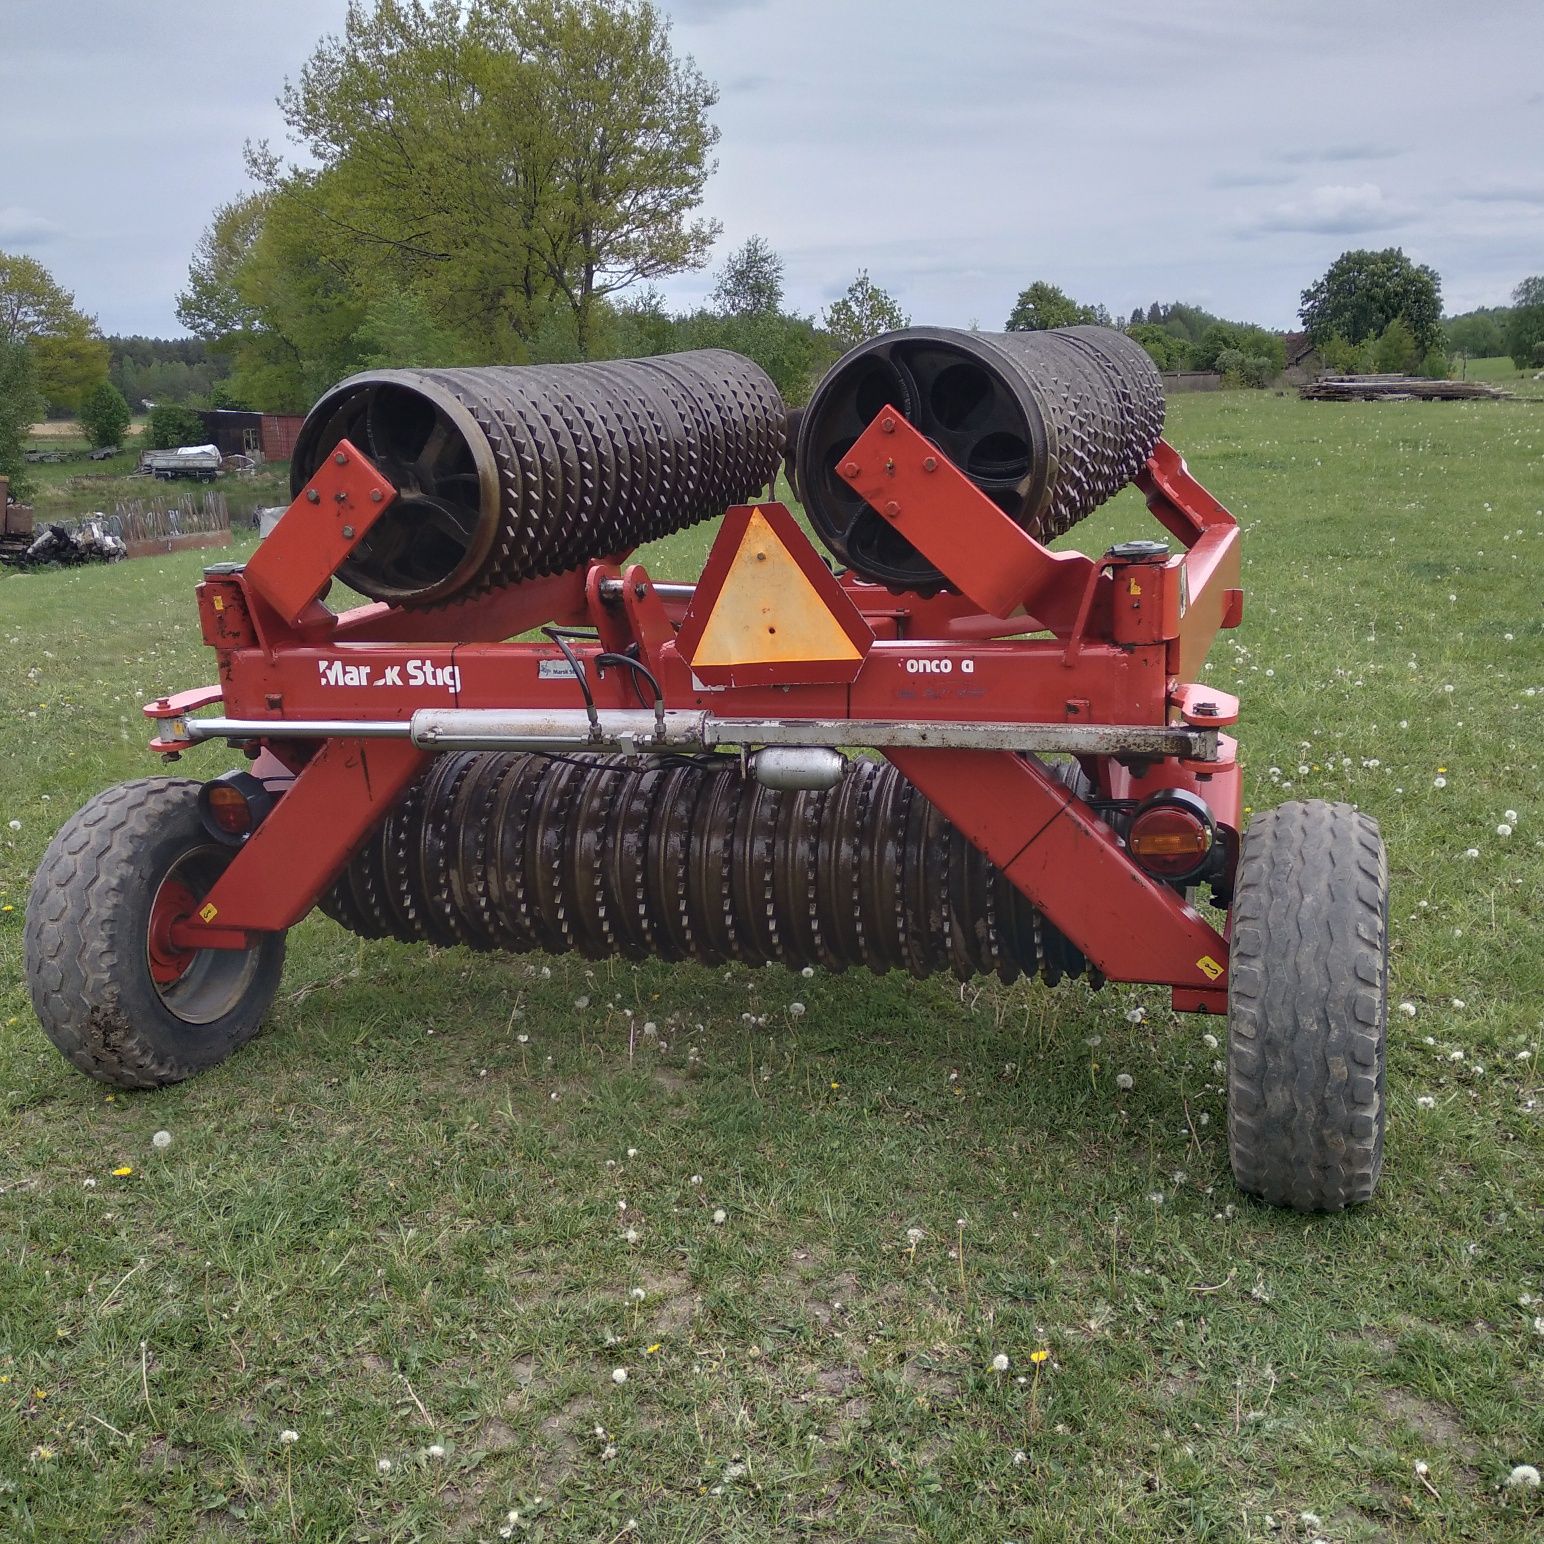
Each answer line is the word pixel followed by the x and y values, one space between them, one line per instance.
pixel 669 771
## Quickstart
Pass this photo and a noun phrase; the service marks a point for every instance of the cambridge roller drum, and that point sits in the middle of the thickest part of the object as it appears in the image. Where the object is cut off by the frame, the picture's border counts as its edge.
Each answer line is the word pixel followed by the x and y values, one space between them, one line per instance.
pixel 947 750
pixel 504 474
pixel 1047 424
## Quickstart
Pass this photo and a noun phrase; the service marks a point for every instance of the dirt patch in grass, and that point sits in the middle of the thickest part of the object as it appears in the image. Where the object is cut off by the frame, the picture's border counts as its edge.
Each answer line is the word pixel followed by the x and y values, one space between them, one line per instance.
pixel 1435 1422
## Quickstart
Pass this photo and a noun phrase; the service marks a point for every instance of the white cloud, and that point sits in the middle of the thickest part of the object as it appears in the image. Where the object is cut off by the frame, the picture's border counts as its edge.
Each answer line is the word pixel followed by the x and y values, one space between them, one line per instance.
pixel 1334 209
pixel 19 224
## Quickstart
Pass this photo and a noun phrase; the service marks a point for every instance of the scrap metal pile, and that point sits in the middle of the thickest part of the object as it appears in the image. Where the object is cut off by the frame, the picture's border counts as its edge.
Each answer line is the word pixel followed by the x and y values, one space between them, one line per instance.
pixel 669 768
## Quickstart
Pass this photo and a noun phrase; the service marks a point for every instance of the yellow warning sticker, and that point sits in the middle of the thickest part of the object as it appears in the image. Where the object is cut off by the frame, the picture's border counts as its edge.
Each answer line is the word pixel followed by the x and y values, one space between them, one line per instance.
pixel 1208 967
pixel 209 913
pixel 219 603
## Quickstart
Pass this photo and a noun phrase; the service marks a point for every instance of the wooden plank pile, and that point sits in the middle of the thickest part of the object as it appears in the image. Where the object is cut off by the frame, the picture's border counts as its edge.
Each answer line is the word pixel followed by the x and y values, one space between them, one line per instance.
pixel 1397 388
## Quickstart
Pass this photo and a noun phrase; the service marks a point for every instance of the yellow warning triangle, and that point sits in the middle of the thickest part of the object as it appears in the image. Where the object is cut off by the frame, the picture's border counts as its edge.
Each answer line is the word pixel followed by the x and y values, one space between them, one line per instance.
pixel 768 611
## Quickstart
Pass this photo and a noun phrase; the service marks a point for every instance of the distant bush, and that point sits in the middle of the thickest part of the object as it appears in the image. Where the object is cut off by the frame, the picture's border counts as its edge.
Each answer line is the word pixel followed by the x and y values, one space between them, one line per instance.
pixel 172 425
pixel 1435 365
pixel 1397 352
pixel 1168 352
pixel 104 415
pixel 1240 369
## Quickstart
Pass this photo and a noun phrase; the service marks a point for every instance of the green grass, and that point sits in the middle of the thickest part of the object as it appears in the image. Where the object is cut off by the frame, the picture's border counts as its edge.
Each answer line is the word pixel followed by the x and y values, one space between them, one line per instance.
pixel 396 1219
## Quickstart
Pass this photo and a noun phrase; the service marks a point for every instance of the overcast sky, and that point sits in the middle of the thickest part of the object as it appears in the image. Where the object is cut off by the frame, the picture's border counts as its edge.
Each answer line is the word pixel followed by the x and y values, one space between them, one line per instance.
pixel 1221 152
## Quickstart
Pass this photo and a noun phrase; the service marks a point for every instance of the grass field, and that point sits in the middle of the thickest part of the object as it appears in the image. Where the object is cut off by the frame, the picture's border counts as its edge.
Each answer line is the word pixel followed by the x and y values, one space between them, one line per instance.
pixel 422 1219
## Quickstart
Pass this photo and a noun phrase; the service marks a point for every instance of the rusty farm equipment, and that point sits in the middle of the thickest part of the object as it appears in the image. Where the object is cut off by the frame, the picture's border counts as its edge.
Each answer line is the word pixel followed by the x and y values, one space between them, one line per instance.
pixel 668 770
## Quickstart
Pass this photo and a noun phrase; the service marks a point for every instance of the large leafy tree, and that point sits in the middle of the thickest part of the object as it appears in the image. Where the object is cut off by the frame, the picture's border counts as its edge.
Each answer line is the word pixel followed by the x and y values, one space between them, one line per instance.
pixel 1525 326
pixel 39 313
pixel 1043 306
pixel 1363 291
pixel 862 312
pixel 20 404
pixel 1478 334
pixel 499 156
pixel 750 282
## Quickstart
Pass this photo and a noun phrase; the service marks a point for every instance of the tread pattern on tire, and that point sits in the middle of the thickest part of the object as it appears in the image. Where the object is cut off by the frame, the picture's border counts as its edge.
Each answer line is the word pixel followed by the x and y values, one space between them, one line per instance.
pixel 1308 1007
pixel 85 947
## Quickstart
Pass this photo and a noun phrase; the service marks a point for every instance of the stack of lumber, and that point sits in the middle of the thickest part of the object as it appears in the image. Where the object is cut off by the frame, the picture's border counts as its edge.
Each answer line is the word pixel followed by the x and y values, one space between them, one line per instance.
pixel 1395 388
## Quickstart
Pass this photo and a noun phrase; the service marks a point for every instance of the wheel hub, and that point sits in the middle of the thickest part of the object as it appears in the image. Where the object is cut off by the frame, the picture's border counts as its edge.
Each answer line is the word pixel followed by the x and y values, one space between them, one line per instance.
pixel 174 902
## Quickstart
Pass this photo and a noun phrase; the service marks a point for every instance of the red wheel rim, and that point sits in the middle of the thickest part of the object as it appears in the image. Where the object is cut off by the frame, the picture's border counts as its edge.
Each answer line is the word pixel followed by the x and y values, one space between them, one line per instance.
pixel 173 901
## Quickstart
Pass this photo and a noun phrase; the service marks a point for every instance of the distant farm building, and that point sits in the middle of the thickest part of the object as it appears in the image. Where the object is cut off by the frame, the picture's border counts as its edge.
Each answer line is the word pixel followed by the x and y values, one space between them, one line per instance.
pixel 265 436
pixel 1303 362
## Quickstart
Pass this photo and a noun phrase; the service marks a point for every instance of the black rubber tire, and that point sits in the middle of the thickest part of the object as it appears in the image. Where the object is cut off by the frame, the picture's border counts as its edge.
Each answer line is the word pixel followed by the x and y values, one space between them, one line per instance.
pixel 1308 1007
pixel 87 934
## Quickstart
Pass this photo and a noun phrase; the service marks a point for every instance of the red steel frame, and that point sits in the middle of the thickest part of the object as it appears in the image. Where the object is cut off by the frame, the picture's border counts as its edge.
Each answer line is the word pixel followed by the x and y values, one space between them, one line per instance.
pixel 1032 636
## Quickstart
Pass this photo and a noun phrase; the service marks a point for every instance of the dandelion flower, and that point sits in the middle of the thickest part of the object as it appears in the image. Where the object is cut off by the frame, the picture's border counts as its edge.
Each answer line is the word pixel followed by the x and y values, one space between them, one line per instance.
pixel 436 1450
pixel 914 1236
pixel 632 1152
pixel 123 1170
pixel 720 1217
pixel 289 1437
pixel 1020 1456
pixel 1136 1015
pixel 161 1139
pixel 1422 1468
pixel 696 1179
pixel 619 1375
pixel 1439 782
pixel 1408 1009
pixel 808 972
pixel 796 1010
pixel 1037 1357
pixel 384 1465
pixel 1510 816
pixel 1123 1080
pixel 1000 1362
pixel 15 825
pixel 1472 852
pixel 1523 1477
pixel 1426 1102
pixel 631 1235
pixel 1503 829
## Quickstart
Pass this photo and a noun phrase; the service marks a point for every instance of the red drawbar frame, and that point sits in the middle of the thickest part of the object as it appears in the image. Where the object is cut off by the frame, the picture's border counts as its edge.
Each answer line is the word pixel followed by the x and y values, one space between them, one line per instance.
pixel 1032 637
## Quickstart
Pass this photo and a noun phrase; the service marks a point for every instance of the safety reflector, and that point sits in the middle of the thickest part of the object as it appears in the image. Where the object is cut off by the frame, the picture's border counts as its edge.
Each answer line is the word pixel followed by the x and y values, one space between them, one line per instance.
pixel 768 611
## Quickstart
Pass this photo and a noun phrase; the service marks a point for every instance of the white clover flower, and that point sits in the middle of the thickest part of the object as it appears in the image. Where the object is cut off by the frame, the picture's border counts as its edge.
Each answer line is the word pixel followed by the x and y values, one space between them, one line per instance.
pixel 619 1376
pixel 384 1465
pixel 720 1217
pixel 1123 1080
pixel 1426 1102
pixel 632 1235
pixel 289 1438
pixel 1523 1477
pixel 1000 1362
pixel 1020 1456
